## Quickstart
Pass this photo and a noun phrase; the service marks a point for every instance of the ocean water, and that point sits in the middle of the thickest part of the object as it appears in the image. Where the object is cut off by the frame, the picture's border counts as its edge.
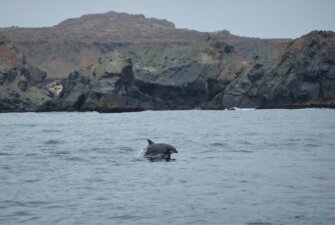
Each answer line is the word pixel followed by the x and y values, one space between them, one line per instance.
pixel 253 167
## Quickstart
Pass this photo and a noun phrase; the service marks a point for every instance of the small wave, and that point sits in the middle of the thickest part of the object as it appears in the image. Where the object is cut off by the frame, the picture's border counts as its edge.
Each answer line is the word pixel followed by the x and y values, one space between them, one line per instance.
pixel 61 153
pixel 244 151
pixel 241 151
pixel 10 203
pixel 251 134
pixel 218 144
pixel 294 139
pixel 140 154
pixel 312 145
pixel 76 159
pixel 21 213
pixel 126 148
pixel 53 207
pixel 32 180
pixel 5 154
pixel 25 125
pixel 51 131
pixel 29 219
pixel 259 223
pixel 53 142
pixel 94 180
pixel 36 203
pixel 125 217
pixel 243 142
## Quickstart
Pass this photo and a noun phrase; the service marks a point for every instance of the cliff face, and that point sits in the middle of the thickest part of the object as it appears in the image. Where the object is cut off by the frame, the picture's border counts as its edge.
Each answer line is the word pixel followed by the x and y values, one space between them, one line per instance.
pixel 76 43
pixel 299 73
pixel 206 73
pixel 129 62
pixel 107 86
pixel 190 75
pixel 20 84
pixel 155 77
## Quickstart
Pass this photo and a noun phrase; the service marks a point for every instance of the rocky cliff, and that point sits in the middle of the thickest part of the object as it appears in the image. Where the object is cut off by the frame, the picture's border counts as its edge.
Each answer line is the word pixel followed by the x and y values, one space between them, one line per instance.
pixel 187 76
pixel 122 62
pixel 154 77
pixel 108 86
pixel 20 84
pixel 297 74
pixel 78 42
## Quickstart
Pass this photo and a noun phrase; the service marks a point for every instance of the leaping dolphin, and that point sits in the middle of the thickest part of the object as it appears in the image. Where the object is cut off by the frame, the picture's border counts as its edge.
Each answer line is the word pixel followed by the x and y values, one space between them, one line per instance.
pixel 159 151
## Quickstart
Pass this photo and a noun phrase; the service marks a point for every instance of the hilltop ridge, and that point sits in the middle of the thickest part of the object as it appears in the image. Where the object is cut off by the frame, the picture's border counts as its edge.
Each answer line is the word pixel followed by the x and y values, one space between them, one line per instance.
pixel 76 42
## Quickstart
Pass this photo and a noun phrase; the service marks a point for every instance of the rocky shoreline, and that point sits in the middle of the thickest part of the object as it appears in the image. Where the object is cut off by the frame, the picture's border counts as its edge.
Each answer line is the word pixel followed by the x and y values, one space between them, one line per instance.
pixel 203 71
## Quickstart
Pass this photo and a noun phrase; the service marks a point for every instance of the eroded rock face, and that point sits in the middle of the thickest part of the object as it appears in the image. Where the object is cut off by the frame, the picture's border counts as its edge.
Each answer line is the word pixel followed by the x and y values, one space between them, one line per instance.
pixel 106 86
pixel 187 76
pixel 153 78
pixel 206 73
pixel 17 94
pixel 299 73
pixel 20 84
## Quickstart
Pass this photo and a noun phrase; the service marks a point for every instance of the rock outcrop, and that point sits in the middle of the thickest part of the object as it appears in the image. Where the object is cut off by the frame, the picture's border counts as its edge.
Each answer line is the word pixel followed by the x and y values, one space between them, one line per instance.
pixel 20 84
pixel 300 73
pixel 144 63
pixel 207 73
pixel 187 76
pixel 183 77
pixel 108 86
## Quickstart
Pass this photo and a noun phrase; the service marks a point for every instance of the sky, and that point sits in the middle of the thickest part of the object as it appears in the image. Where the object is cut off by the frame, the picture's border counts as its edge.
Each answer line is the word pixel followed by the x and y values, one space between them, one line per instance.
pixel 252 18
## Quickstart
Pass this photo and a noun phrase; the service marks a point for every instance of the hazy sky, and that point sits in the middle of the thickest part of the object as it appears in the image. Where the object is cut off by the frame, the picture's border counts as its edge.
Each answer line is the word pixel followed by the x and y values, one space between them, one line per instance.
pixel 254 18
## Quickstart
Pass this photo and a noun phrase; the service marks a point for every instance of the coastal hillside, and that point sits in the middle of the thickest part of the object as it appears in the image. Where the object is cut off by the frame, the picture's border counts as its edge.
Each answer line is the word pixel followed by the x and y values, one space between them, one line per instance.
pixel 208 74
pixel 120 62
pixel 78 42
pixel 153 78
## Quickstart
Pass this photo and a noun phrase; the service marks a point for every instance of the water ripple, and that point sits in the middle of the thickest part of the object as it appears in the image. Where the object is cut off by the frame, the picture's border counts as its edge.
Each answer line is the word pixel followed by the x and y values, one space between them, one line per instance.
pixel 53 142
pixel 269 164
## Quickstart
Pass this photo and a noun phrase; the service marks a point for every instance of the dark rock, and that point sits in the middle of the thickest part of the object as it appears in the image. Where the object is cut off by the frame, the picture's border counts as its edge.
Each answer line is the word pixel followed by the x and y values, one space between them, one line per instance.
pixel 23 85
pixel 255 74
pixel 300 73
pixel 214 87
pixel 328 89
pixel 228 49
pixel 108 86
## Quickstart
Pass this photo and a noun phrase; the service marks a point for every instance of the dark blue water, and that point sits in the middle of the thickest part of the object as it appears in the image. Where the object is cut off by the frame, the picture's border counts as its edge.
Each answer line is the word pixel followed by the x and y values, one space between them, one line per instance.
pixel 233 167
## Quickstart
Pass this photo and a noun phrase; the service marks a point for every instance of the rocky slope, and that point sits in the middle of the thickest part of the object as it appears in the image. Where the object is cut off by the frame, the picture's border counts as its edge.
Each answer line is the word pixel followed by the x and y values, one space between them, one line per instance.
pixel 155 77
pixel 207 73
pixel 190 75
pixel 108 86
pixel 127 62
pixel 298 74
pixel 20 84
pixel 75 43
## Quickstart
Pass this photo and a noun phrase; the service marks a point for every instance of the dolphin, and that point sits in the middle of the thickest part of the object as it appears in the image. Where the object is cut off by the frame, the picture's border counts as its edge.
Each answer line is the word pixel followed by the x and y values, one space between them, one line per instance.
pixel 159 151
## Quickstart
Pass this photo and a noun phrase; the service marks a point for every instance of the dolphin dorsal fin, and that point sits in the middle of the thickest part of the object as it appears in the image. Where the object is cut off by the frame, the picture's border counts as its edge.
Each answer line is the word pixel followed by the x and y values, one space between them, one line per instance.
pixel 150 142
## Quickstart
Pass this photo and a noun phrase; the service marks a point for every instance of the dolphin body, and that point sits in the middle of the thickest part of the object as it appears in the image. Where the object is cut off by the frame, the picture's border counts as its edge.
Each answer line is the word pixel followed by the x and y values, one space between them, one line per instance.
pixel 159 151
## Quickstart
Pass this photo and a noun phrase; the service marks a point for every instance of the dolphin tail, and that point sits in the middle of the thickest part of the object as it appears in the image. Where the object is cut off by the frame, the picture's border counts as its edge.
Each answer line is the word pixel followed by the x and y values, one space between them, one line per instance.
pixel 150 142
